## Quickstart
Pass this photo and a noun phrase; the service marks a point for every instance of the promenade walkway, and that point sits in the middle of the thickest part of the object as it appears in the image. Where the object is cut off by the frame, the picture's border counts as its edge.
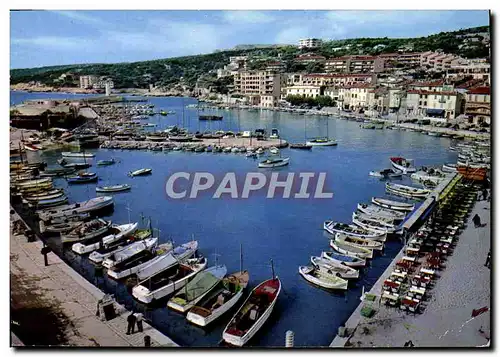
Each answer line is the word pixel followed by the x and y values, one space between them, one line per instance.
pixel 71 300
pixel 463 285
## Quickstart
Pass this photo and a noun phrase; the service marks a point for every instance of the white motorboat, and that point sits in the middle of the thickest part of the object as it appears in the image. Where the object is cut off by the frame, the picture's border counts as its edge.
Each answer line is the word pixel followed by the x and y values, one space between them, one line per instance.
pixel 387 173
pixel 276 162
pixel 407 191
pixel 394 205
pixel 94 204
pixel 336 227
pixel 402 164
pixel 166 281
pixel 118 234
pixel 449 168
pixel 351 250
pixel 202 284
pixel 86 231
pixel 78 154
pixel 347 260
pixel 389 222
pixel 140 172
pixel 359 242
pixel 332 266
pixel 322 278
pixel 129 251
pixel 377 211
pixel 372 224
pixel 226 295
pixel 253 313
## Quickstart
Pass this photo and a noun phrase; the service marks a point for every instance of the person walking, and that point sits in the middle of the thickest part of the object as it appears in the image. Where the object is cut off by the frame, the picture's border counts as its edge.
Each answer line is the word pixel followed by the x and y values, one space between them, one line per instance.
pixel 477 220
pixel 488 260
pixel 485 194
pixel 131 323
pixel 138 317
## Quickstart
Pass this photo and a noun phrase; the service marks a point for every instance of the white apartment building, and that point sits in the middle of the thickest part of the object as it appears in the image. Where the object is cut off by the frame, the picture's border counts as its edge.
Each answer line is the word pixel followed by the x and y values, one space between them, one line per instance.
pixel 321 79
pixel 257 84
pixel 303 90
pixel 354 97
pixel 310 43
pixel 88 81
pixel 477 68
pixel 443 104
pixel 478 105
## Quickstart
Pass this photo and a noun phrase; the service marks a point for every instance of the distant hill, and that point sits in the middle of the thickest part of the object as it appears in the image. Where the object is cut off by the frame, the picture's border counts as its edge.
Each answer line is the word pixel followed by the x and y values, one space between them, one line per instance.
pixel 186 70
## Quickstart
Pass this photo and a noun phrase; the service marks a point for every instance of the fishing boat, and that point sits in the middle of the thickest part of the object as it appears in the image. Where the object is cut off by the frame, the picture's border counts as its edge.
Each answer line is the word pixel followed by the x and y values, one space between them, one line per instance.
pixel 322 278
pixel 90 206
pixel 118 234
pixel 86 155
pixel 48 195
pixel 55 172
pixel 166 281
pixel 336 227
pixel 372 224
pixel 140 172
pixel 275 162
pixel 377 211
pixel 274 151
pixel 359 242
pixel 407 191
pixel 301 146
pixel 149 262
pixel 430 175
pixel 73 165
pixel 50 202
pixel 114 188
pixel 43 182
pixel 106 162
pixel 404 165
pixel 82 178
pixel 253 314
pixel 332 266
pixel 226 295
pixel 204 282
pixel 387 173
pixel 130 251
pixel 394 205
pixel 321 142
pixel 351 250
pixel 350 261
pixel 62 227
pixel 88 230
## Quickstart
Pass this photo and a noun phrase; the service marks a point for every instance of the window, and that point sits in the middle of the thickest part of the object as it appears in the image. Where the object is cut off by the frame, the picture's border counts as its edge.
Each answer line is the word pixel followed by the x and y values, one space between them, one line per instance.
pixel 435 97
pixel 425 103
pixel 448 97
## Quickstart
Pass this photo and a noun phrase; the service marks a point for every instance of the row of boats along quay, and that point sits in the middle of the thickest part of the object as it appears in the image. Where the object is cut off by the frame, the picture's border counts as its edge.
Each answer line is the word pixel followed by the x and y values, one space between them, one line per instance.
pixel 205 276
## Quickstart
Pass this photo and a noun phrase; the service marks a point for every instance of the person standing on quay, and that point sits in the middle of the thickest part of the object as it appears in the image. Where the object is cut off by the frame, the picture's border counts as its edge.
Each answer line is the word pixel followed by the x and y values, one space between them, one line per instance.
pixel 477 220
pixel 138 317
pixel 131 323
pixel 488 260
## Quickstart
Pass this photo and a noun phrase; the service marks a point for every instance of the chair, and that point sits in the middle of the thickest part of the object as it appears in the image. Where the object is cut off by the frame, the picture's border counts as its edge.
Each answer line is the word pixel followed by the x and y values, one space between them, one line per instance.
pixel 253 315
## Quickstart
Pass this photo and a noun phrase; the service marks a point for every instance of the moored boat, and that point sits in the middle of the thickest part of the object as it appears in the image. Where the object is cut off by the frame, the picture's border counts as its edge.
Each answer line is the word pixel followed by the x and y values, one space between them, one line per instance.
pixel 106 162
pixel 350 261
pixel 253 313
pixel 449 168
pixel 86 231
pixel 404 165
pixel 372 224
pixel 407 191
pixel 130 251
pixel 394 205
pixel 321 142
pixel 387 173
pixel 114 188
pixel 119 233
pixel 322 278
pixel 336 227
pixel 78 154
pixel 275 162
pixel 140 172
pixel 377 211
pixel 359 242
pixel 92 205
pixel 301 146
pixel 351 250
pixel 332 266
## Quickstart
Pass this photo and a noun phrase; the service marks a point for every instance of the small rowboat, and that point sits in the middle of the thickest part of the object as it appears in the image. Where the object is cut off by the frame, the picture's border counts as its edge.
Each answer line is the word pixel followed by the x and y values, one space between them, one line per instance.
pixel 322 278
pixel 351 249
pixel 353 231
pixel 332 266
pixel 140 172
pixel 350 261
pixel 406 191
pixel 371 223
pixel 395 205
pixel 106 162
pixel 82 178
pixel 270 163
pixel 115 188
pixel 360 242
pixel 377 211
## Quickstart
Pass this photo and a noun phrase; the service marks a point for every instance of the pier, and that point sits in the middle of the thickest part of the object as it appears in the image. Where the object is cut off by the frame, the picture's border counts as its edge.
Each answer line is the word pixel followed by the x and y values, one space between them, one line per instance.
pixel 70 298
pixel 462 286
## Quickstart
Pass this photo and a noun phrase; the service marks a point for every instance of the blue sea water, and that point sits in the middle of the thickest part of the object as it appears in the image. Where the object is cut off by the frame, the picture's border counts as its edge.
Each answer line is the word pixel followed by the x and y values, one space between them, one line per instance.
pixel 288 231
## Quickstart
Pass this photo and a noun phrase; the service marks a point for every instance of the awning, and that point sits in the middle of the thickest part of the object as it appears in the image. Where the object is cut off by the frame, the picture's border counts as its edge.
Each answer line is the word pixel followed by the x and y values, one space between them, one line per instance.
pixel 435 111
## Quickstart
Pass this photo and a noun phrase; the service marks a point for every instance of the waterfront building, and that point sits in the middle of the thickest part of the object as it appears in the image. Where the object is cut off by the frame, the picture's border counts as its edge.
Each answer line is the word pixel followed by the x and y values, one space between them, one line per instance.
pixel 477 68
pixel 440 104
pixel 310 43
pixel 378 100
pixel 478 105
pixel 354 97
pixel 355 64
pixel 304 90
pixel 329 79
pixel 254 84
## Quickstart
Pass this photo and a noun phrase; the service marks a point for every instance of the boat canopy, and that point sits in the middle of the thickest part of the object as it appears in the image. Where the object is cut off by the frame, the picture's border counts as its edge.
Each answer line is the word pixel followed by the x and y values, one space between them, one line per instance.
pixel 158 265
pixel 203 281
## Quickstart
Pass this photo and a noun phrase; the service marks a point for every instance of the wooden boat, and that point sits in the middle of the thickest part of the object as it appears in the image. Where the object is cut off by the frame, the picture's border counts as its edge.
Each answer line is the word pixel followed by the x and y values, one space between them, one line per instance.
pixel 44 196
pixel 387 173
pixel 78 154
pixel 336 227
pixel 118 234
pixel 61 227
pixel 389 222
pixel 220 300
pixel 51 202
pixel 82 178
pixel 449 168
pixel 129 251
pixel 322 278
pixel 321 142
pixel 350 261
pixel 359 242
pixel 88 230
pixel 253 314
pixel 166 281
pixel 150 262
pixel 271 163
pixel 402 164
pixel 115 188
pixel 204 282
pixel 106 162
pixel 140 172
pixel 474 174
pixel 92 205
pixel 407 191
pixel 43 182
pixel 351 250
pixel 301 146
pixel 55 172
pixel 332 266
pixel 394 205
pixel 372 224
pixel 377 211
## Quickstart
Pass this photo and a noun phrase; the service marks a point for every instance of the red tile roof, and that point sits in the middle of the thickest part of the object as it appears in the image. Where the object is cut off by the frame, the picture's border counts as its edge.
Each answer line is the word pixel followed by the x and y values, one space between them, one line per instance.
pixel 414 91
pixel 304 58
pixel 428 84
pixel 334 75
pixel 479 90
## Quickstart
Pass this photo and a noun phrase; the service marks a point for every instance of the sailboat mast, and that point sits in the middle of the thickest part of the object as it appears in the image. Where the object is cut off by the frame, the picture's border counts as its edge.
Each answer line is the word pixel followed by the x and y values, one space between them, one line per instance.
pixel 241 257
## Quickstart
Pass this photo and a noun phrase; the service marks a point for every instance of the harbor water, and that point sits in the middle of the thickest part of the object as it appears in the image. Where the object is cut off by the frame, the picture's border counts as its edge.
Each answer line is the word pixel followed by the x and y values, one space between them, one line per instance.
pixel 288 231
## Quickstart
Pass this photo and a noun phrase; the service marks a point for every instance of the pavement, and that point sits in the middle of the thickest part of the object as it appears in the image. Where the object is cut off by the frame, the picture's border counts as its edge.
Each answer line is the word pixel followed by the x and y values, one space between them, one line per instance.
pixel 72 298
pixel 463 285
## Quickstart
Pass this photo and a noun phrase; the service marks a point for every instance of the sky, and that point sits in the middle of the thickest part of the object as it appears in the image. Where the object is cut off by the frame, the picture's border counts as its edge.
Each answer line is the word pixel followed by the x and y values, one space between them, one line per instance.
pixel 52 37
